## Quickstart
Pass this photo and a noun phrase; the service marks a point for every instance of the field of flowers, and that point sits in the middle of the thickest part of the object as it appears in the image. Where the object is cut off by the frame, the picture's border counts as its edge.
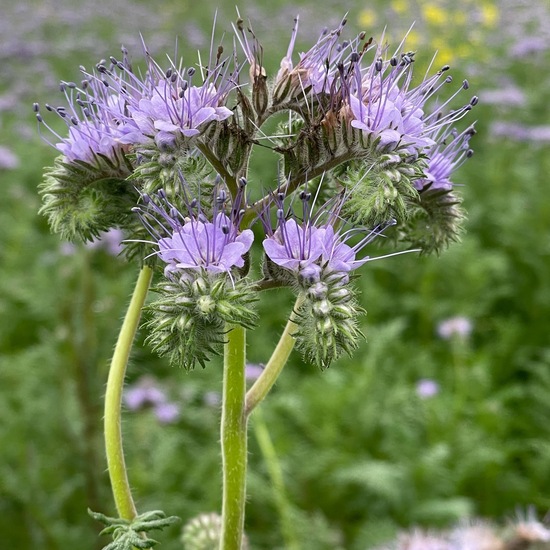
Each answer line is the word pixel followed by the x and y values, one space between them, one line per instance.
pixel 442 416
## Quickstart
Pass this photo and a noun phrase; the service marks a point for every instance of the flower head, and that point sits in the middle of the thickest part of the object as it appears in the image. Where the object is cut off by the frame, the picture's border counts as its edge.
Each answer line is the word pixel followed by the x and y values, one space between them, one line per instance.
pixel 93 117
pixel 193 243
pixel 313 246
pixel 166 105
pixel 386 107
pixel 455 326
pixel 448 153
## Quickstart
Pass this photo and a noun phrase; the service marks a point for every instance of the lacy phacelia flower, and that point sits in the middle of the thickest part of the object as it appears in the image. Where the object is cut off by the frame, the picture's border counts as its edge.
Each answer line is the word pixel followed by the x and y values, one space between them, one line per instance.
pixel 386 108
pixel 450 151
pixel 312 248
pixel 206 289
pixel 315 258
pixel 165 105
pixel 196 244
pixel 93 117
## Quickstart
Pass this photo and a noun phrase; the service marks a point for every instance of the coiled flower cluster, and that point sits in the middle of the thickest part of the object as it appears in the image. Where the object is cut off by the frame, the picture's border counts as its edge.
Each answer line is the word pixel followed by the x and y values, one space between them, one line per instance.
pixel 172 144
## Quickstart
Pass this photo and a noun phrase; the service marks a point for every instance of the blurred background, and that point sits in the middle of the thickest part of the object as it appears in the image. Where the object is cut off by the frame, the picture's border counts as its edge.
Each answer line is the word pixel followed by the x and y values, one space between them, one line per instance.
pixel 442 414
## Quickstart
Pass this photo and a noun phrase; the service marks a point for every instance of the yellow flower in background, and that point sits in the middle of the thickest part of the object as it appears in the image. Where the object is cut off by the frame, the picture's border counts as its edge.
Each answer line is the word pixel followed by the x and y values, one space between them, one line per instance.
pixel 367 18
pixel 399 6
pixel 489 14
pixel 434 14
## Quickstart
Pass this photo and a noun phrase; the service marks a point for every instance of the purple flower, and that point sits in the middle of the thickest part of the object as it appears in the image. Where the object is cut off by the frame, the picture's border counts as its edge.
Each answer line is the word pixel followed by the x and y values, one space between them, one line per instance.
pixel 252 371
pixel 110 240
pixel 165 105
pixel 427 388
pixel 167 413
pixel 8 159
pixel 145 392
pixel 93 118
pixel 313 246
pixel 213 246
pixel 194 243
pixel 384 105
pixel 450 151
pixel 455 326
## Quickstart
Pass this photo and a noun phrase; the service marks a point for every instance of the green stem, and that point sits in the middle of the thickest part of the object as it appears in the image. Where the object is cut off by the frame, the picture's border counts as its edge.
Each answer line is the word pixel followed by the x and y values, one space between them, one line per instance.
pixel 229 179
pixel 277 361
pixel 276 474
pixel 113 399
pixel 234 442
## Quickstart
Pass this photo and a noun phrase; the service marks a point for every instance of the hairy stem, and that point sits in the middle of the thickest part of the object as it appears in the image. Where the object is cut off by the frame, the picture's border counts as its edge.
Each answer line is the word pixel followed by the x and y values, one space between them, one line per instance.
pixel 277 361
pixel 302 177
pixel 229 180
pixel 113 399
pixel 234 440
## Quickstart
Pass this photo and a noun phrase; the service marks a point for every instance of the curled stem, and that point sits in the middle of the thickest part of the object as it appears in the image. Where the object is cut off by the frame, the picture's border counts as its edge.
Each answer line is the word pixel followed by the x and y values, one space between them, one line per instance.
pixel 113 399
pixel 277 361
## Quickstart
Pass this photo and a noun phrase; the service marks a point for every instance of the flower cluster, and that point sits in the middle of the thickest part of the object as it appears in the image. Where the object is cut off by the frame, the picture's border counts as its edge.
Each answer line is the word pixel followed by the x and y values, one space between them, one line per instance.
pixel 205 264
pixel 314 256
pixel 176 140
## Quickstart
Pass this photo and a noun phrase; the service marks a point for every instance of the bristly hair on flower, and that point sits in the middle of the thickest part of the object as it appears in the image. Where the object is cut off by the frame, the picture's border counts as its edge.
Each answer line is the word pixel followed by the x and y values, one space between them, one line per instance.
pixel 206 260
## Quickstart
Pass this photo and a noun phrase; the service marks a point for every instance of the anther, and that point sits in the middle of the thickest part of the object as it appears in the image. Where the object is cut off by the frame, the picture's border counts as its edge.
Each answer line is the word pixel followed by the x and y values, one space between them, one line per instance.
pixel 36 107
pixel 74 120
pixel 393 61
pixel 225 229
pixel 280 214
pixel 474 100
pixel 465 85
pixel 191 71
pixel 242 182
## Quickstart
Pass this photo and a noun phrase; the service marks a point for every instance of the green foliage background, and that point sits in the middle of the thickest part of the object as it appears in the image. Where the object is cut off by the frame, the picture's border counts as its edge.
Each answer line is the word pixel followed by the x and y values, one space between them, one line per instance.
pixel 361 453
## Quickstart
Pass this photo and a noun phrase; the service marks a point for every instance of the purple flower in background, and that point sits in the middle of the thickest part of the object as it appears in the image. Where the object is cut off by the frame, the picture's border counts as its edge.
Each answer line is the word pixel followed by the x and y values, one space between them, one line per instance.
pixel 195 243
pixel 455 326
pixel 426 388
pixel 253 371
pixel 450 151
pixel 144 392
pixel 8 159
pixel 110 240
pixel 167 413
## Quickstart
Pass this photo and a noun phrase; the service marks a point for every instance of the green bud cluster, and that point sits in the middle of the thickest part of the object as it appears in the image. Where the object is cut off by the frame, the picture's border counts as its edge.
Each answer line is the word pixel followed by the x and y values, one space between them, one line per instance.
pixel 81 200
pixel 436 220
pixel 189 322
pixel 382 190
pixel 204 532
pixel 163 167
pixel 327 320
pixel 131 534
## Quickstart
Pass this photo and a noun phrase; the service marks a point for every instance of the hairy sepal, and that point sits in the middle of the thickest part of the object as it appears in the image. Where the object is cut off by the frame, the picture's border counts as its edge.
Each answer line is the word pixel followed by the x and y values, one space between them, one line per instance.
pixel 82 200
pixel 188 322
